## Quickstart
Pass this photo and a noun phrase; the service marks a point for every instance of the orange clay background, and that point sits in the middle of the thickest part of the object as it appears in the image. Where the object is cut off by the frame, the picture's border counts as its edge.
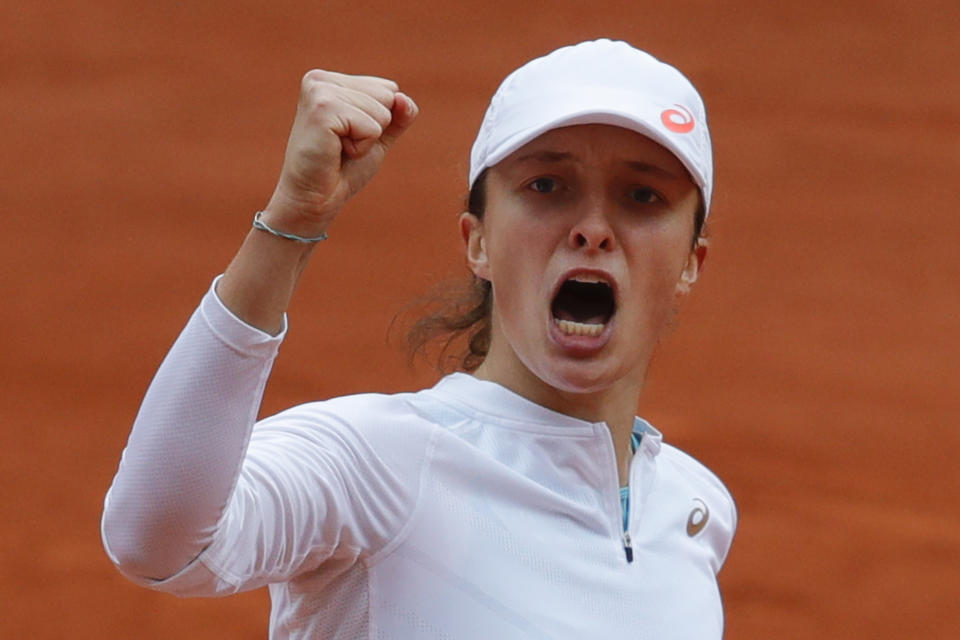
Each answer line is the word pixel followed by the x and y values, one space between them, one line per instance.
pixel 815 368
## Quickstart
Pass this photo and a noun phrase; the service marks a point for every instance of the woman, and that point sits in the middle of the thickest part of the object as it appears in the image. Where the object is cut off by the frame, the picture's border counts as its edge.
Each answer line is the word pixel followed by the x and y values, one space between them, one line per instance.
pixel 522 501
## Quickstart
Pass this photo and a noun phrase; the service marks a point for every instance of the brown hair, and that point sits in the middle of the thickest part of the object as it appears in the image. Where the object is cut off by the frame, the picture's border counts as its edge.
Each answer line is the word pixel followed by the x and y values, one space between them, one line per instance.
pixel 464 309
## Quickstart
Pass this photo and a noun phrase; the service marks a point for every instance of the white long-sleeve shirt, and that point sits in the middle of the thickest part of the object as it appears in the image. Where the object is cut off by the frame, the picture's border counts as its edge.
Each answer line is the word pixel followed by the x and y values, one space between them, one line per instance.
pixel 462 511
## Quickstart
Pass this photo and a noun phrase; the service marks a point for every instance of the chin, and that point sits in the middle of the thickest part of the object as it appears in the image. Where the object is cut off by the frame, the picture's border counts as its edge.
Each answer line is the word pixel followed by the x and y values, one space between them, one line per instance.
pixel 581 377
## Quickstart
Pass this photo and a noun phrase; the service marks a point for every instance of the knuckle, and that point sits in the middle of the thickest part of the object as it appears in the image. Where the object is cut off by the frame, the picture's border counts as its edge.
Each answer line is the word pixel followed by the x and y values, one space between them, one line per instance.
pixel 313 76
pixel 319 95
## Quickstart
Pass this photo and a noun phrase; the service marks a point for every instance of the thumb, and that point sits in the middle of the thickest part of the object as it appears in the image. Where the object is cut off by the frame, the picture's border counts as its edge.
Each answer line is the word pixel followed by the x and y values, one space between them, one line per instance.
pixel 403 113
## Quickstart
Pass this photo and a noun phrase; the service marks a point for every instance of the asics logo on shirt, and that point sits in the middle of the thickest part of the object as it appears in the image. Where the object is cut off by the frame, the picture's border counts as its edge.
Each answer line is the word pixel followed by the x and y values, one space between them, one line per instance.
pixel 697 519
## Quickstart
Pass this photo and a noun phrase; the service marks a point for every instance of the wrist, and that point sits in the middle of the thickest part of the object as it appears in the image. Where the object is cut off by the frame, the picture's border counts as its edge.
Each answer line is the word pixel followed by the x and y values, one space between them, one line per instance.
pixel 296 217
pixel 261 225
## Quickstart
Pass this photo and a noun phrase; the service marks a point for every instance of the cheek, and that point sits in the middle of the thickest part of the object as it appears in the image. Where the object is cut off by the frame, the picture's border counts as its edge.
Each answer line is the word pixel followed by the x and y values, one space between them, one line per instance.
pixel 657 271
pixel 513 275
pixel 518 254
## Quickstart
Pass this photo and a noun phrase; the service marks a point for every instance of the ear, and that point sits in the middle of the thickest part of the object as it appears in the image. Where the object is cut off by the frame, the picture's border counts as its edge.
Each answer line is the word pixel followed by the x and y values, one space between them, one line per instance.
pixel 471 230
pixel 691 271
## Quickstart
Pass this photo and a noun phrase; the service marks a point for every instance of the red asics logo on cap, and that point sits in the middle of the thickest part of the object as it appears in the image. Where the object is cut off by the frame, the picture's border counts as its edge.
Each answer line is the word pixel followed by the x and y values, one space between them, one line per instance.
pixel 677 121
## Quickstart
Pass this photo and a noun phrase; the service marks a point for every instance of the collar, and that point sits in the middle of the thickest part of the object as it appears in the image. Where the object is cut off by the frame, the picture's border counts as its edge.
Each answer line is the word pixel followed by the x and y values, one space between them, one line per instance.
pixel 493 399
pixel 646 435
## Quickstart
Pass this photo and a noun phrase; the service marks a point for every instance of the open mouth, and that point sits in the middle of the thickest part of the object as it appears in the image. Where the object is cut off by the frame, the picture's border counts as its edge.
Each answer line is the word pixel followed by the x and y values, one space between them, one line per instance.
pixel 583 306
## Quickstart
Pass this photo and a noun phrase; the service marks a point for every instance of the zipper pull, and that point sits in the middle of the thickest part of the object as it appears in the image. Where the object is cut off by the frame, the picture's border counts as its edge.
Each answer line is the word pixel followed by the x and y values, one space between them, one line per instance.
pixel 627 546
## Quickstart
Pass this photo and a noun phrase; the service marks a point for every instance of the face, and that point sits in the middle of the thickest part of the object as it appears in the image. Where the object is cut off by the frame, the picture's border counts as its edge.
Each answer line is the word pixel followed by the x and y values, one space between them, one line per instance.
pixel 587 241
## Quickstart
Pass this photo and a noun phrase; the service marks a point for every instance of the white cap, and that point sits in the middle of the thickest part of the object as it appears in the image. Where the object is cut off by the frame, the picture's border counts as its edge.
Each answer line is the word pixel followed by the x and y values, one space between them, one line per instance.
pixel 598 82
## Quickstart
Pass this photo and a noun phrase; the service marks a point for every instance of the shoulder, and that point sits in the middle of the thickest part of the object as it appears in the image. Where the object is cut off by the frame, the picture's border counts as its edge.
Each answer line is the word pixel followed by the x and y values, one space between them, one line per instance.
pixel 366 411
pixel 694 472
pixel 365 407
pixel 381 413
pixel 388 427
pixel 691 479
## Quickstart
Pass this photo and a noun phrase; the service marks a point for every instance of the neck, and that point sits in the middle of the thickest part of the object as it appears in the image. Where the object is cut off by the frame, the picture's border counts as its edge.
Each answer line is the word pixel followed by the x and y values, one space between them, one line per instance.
pixel 614 404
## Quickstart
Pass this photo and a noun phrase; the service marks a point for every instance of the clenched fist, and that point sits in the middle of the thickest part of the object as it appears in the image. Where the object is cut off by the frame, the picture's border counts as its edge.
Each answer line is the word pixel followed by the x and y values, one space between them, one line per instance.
pixel 343 128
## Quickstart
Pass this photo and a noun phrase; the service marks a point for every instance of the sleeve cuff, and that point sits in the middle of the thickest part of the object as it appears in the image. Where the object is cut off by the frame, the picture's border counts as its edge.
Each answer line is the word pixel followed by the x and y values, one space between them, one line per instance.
pixel 233 331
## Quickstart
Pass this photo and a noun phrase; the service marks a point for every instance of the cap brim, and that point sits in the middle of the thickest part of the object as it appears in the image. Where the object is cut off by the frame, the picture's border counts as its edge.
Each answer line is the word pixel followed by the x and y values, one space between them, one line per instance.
pixel 620 109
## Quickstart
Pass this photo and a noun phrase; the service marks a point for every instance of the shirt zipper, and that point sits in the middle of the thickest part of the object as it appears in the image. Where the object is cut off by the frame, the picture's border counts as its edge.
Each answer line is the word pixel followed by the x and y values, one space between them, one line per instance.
pixel 625 535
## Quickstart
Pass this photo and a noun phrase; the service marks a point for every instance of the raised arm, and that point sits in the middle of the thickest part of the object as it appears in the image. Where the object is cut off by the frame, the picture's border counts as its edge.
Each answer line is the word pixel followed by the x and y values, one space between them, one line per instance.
pixel 343 128
pixel 189 439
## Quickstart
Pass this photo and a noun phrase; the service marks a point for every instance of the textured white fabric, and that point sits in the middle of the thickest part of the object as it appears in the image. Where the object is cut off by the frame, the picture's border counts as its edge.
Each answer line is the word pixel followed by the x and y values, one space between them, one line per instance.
pixel 187 443
pixel 462 511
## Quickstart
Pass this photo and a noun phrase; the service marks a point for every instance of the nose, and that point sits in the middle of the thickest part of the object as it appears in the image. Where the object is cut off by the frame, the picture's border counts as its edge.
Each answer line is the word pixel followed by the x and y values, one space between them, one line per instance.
pixel 592 231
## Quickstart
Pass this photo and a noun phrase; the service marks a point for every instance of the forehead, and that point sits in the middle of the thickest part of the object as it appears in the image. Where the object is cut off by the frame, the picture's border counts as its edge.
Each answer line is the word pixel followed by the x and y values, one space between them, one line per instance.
pixel 597 144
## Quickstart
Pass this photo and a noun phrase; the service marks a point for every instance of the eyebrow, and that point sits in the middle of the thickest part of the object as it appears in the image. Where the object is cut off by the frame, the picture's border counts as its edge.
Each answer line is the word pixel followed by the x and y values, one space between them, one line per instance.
pixel 646 167
pixel 562 156
pixel 545 156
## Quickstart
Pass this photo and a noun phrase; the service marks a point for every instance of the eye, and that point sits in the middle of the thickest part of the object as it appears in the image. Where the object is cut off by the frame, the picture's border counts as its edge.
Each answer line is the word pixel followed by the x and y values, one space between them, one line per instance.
pixel 645 195
pixel 543 185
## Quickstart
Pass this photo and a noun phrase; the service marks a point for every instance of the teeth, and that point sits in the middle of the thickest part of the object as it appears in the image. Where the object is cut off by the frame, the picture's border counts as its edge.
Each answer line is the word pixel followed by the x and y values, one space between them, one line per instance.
pixel 588 279
pixel 580 328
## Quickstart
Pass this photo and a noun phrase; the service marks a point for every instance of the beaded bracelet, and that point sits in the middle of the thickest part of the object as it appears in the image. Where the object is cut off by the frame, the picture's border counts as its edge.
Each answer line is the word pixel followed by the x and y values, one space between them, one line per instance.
pixel 262 226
